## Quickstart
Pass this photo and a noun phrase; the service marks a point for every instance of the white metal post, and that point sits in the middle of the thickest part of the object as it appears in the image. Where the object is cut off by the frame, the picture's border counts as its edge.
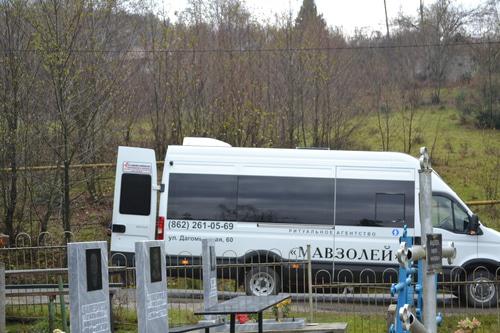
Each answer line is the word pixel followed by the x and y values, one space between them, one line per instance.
pixel 309 283
pixel 429 280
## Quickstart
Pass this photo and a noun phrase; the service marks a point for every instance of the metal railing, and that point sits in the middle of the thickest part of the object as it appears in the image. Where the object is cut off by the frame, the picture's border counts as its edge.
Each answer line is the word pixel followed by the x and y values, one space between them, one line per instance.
pixel 360 298
pixel 363 300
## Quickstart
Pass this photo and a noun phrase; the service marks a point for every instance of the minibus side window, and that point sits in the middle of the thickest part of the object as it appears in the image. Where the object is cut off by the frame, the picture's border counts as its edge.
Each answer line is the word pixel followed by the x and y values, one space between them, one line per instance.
pixel 374 203
pixel 448 215
pixel 390 208
pixel 442 213
pixel 135 194
pixel 285 199
pixel 202 197
pixel 461 218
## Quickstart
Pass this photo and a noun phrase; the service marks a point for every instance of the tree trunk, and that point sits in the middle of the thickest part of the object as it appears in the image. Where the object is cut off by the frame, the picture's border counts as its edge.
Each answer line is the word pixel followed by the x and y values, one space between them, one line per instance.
pixel 66 201
pixel 12 158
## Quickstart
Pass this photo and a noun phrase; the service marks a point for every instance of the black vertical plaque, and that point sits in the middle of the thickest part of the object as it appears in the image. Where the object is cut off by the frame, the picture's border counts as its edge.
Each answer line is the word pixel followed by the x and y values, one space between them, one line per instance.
pixel 213 258
pixel 434 253
pixel 94 269
pixel 155 263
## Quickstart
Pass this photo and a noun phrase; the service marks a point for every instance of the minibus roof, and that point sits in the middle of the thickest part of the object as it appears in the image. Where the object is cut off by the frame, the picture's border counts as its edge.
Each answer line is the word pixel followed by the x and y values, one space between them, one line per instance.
pixel 211 153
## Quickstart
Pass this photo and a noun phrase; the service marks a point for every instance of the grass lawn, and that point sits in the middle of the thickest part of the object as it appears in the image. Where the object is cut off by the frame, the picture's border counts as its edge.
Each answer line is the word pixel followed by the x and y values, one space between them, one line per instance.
pixel 462 155
pixel 467 158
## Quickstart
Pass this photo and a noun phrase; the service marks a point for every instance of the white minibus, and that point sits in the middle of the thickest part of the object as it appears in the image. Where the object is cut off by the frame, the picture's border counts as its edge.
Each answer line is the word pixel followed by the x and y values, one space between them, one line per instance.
pixel 350 206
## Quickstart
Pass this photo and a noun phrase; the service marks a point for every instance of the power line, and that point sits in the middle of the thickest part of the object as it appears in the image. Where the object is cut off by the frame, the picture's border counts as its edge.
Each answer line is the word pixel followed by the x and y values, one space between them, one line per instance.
pixel 254 50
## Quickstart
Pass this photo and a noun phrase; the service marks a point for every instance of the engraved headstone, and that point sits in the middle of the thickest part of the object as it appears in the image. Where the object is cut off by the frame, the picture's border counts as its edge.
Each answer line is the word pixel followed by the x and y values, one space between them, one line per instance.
pixel 209 274
pixel 89 287
pixel 151 290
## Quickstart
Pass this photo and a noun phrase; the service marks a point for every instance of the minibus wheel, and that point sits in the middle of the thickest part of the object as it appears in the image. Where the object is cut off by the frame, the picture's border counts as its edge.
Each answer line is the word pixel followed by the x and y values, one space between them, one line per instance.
pixel 481 290
pixel 261 281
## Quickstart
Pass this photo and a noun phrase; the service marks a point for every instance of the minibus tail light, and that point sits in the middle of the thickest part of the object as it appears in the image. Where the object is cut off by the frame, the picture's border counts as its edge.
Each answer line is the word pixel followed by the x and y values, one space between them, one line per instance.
pixel 160 227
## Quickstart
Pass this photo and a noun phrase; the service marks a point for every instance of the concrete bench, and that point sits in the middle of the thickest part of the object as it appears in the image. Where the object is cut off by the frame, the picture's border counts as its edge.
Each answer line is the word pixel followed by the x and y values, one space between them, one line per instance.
pixel 309 328
pixel 323 327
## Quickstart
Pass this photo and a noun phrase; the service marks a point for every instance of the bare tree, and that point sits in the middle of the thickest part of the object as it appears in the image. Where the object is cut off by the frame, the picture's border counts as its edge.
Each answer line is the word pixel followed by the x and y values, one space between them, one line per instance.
pixel 77 92
pixel 14 97
pixel 486 97
pixel 443 24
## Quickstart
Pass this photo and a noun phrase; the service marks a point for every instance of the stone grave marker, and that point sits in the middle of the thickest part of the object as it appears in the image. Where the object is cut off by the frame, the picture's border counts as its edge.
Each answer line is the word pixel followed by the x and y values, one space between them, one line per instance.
pixel 151 289
pixel 89 287
pixel 209 264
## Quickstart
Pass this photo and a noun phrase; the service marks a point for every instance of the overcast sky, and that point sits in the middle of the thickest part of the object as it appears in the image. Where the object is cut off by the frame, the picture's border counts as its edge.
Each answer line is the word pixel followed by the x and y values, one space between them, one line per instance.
pixel 348 14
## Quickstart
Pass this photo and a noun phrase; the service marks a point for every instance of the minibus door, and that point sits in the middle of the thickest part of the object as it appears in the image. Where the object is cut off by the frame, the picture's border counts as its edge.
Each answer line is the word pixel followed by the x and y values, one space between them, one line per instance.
pixel 135 197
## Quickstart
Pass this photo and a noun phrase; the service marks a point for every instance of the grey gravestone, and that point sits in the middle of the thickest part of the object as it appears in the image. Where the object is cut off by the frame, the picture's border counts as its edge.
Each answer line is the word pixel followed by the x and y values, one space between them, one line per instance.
pixel 151 290
pixel 2 297
pixel 209 274
pixel 89 287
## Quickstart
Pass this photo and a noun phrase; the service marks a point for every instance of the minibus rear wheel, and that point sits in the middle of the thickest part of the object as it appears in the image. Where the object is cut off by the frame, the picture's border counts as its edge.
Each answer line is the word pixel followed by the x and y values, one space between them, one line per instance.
pixel 262 281
pixel 481 289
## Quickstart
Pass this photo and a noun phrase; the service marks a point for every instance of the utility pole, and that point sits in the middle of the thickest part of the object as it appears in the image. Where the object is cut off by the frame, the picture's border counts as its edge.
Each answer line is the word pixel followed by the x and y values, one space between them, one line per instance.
pixel 429 254
pixel 421 14
pixel 386 19
pixel 429 278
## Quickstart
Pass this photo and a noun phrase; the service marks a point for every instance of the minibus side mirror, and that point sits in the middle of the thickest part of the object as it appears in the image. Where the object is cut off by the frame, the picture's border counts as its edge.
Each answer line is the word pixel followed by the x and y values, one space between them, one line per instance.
pixel 473 224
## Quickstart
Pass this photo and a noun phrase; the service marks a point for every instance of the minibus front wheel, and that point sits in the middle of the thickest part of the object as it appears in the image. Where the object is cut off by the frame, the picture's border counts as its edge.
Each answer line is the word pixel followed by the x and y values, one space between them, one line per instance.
pixel 262 281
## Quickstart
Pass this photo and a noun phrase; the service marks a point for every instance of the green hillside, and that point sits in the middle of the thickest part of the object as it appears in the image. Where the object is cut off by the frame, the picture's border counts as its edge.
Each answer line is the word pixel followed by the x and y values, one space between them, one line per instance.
pixel 467 158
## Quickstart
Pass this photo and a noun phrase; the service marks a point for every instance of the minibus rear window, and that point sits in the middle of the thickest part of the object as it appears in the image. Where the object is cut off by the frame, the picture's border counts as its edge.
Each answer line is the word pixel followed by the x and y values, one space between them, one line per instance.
pixel 135 194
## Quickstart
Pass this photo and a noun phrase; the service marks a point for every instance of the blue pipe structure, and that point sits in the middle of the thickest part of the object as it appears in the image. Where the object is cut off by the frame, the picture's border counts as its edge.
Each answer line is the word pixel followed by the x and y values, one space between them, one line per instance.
pixel 406 288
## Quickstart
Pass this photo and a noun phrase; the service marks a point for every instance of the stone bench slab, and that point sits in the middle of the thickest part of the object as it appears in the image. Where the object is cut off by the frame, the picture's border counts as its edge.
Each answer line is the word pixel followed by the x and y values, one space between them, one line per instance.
pixel 308 328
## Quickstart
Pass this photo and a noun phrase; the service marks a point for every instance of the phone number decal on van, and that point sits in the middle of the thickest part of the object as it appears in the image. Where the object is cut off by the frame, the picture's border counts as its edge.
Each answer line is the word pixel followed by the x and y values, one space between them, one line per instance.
pixel 195 225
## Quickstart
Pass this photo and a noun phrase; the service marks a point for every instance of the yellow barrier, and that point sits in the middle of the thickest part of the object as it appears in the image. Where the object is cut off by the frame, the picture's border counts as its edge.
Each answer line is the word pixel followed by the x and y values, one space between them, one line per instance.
pixel 483 202
pixel 72 166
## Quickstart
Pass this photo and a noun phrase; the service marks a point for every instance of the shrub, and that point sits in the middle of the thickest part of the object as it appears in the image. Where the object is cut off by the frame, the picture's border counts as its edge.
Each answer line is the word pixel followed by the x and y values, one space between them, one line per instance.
pixel 477 110
pixel 464 106
pixel 485 119
pixel 468 326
